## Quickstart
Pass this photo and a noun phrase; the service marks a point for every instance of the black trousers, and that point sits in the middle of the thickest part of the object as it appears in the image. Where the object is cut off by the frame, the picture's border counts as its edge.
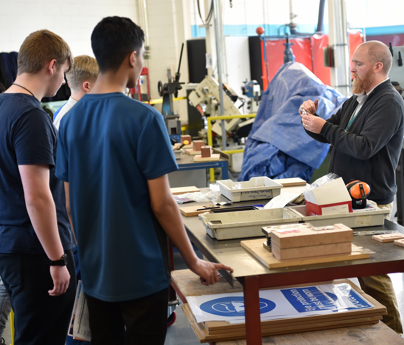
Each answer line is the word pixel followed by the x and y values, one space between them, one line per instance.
pixel 141 321
pixel 40 319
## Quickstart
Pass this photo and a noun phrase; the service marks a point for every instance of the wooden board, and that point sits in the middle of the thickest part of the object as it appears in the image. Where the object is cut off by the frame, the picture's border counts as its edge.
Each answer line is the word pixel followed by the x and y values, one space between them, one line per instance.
pixel 399 242
pixel 213 158
pixel 192 152
pixel 190 285
pixel 359 335
pixel 192 211
pixel 303 235
pixel 310 251
pixel 183 190
pixel 204 336
pixel 256 249
pixel 291 182
pixel 388 237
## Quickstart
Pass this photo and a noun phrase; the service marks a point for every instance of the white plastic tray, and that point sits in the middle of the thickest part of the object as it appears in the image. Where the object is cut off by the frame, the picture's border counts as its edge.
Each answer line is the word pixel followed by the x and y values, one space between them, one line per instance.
pixel 178 153
pixel 356 219
pixel 243 224
pixel 257 188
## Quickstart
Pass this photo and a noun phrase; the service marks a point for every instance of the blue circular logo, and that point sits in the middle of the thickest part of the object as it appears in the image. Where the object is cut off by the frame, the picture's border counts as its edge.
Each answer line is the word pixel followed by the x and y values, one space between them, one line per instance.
pixel 233 306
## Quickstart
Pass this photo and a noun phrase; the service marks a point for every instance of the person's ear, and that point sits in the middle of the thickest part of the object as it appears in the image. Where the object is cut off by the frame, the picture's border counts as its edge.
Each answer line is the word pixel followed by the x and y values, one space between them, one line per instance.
pixel 86 86
pixel 51 66
pixel 132 58
pixel 378 67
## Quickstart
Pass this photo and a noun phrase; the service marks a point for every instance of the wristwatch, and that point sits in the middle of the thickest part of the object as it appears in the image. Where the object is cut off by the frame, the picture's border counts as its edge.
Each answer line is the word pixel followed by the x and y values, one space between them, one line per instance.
pixel 61 262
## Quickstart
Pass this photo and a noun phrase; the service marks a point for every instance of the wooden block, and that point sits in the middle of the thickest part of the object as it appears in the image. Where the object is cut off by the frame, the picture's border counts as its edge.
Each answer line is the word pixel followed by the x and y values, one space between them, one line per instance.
pixel 197 144
pixel 310 251
pixel 183 190
pixel 192 152
pixel 256 249
pixel 399 242
pixel 388 237
pixel 213 158
pixel 301 235
pixel 187 138
pixel 291 182
pixel 206 151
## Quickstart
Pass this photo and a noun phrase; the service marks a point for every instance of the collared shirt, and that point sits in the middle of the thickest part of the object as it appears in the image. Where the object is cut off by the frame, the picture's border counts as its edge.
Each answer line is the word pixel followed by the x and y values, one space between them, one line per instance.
pixel 362 97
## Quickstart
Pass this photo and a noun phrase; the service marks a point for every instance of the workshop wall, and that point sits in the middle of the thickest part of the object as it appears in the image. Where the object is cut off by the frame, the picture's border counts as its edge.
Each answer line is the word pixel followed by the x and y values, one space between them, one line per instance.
pixel 73 20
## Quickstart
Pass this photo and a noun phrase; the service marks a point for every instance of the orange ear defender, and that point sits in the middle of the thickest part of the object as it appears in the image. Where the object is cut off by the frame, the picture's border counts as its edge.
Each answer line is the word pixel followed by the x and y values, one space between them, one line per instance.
pixel 358 191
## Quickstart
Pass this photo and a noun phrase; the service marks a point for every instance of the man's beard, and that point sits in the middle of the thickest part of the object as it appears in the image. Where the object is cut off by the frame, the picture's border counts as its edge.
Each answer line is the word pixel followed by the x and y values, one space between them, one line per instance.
pixel 360 85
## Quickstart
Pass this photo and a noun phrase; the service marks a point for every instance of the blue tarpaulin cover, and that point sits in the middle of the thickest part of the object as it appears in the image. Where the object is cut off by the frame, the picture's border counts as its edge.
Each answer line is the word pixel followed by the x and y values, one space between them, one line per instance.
pixel 278 146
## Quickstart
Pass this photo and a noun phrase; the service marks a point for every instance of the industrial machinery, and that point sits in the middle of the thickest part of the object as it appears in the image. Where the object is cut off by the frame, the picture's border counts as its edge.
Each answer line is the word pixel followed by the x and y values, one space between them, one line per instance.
pixel 206 99
pixel 167 91
pixel 252 90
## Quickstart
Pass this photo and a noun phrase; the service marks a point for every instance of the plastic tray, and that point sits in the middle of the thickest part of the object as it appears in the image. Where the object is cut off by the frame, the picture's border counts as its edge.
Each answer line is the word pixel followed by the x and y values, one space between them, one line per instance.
pixel 356 219
pixel 178 153
pixel 224 226
pixel 257 188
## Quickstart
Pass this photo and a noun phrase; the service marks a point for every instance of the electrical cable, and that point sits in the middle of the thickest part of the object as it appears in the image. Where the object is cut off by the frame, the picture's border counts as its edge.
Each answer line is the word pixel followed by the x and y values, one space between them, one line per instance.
pixel 210 14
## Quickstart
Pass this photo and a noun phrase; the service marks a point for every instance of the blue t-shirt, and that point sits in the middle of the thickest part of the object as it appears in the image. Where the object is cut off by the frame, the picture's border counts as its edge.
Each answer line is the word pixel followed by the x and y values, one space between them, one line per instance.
pixel 57 112
pixel 109 146
pixel 27 136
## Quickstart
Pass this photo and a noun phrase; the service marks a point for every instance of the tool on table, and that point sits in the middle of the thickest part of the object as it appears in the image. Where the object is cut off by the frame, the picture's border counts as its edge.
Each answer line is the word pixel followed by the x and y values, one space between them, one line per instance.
pixel 375 232
pixel 186 142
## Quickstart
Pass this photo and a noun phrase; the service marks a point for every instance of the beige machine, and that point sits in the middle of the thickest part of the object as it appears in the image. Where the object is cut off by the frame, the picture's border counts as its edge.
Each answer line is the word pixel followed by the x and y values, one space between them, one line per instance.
pixel 206 98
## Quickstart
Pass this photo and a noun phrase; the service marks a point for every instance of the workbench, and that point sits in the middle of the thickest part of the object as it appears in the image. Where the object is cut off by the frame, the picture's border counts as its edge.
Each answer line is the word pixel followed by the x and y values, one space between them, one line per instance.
pixel 253 276
pixel 186 163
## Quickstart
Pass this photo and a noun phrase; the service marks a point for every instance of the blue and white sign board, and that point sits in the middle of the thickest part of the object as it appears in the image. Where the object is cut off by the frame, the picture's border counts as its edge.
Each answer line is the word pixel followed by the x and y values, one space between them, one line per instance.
pixel 278 304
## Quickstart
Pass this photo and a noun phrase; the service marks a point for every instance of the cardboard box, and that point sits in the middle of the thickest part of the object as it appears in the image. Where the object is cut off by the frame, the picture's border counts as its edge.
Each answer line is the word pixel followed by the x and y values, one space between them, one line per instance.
pixel 302 235
pixel 330 198
pixel 310 251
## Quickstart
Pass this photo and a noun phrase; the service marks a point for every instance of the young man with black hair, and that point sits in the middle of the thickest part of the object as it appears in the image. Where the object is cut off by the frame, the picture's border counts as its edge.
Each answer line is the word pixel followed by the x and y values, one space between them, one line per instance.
pixel 114 155
pixel 36 261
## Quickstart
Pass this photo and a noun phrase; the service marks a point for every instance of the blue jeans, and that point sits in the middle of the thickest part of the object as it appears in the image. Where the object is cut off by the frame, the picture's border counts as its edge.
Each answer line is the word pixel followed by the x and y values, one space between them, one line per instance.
pixel 5 307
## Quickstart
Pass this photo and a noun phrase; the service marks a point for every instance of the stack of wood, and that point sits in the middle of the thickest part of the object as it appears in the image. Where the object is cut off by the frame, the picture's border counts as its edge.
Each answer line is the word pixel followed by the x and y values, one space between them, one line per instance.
pixel 215 331
pixel 303 241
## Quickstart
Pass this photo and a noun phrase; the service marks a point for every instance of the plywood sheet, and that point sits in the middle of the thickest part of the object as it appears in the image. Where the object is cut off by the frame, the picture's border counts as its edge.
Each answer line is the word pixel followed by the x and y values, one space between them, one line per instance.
pixel 291 182
pixel 293 327
pixel 358 335
pixel 213 158
pixel 192 152
pixel 255 248
pixel 388 237
pixel 183 190
pixel 192 211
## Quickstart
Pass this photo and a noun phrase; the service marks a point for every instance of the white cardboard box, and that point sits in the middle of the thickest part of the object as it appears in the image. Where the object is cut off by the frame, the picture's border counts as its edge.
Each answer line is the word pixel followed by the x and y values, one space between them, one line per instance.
pixel 330 198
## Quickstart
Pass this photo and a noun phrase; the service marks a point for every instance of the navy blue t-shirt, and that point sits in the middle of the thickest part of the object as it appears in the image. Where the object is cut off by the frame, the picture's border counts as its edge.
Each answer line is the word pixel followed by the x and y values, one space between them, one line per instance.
pixel 27 136
pixel 109 146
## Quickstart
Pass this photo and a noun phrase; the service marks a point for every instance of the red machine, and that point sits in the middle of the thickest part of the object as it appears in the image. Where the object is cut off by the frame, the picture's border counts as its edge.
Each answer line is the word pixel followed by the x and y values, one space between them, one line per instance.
pixel 308 50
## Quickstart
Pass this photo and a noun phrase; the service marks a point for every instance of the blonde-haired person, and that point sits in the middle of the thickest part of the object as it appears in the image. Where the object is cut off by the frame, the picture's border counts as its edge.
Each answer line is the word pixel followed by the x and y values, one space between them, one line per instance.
pixel 81 79
pixel 36 242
